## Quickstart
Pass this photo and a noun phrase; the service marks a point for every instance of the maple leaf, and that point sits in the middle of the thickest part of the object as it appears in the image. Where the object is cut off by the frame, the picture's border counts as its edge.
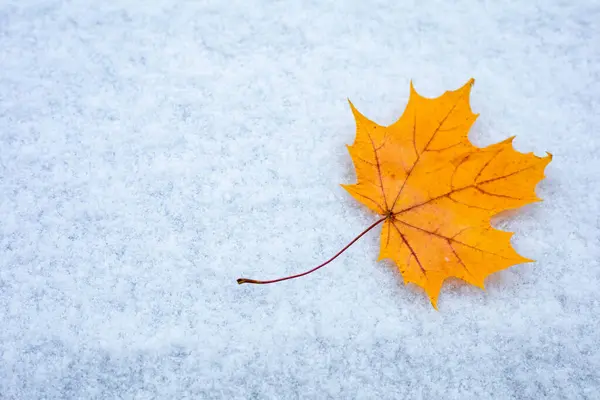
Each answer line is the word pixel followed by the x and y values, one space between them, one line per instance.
pixel 437 192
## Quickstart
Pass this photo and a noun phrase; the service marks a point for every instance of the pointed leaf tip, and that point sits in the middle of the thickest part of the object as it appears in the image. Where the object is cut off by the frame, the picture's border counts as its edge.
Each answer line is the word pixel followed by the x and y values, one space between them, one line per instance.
pixel 354 110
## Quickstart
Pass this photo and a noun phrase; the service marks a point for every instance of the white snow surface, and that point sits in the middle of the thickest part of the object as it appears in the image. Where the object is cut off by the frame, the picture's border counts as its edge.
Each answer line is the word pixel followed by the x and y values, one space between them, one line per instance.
pixel 154 151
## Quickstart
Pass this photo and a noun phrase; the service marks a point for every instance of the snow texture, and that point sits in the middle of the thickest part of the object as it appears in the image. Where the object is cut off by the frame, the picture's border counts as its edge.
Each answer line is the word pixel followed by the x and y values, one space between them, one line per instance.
pixel 154 151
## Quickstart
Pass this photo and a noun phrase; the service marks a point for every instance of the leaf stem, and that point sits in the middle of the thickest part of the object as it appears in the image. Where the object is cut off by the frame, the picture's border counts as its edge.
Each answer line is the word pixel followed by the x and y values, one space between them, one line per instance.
pixel 245 280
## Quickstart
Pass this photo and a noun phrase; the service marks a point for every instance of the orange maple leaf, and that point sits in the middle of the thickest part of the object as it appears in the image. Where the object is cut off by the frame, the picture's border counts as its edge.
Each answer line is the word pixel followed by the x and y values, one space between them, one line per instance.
pixel 436 192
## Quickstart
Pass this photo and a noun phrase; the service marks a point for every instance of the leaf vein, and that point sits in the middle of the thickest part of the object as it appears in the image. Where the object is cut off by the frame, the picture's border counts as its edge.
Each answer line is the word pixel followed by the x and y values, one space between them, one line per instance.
pixel 414 254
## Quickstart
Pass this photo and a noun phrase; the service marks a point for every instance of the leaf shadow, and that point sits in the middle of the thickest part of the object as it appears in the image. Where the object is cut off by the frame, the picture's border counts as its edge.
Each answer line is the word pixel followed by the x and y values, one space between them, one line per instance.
pixel 413 290
pixel 505 220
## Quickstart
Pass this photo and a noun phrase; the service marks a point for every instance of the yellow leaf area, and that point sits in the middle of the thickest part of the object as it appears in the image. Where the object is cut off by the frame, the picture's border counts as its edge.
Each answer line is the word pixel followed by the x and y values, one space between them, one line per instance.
pixel 439 192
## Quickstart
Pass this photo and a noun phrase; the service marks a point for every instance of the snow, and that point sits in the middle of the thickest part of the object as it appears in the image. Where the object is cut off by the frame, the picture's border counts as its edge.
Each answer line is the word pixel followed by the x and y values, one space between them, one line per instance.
pixel 153 152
